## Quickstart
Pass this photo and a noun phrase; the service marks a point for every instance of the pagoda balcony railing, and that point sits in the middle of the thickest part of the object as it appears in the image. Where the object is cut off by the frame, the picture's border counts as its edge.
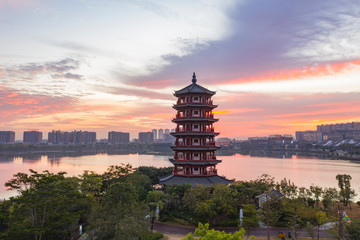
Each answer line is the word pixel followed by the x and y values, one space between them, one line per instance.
pixel 210 102
pixel 188 173
pixel 191 116
pixel 201 159
pixel 178 130
pixel 193 145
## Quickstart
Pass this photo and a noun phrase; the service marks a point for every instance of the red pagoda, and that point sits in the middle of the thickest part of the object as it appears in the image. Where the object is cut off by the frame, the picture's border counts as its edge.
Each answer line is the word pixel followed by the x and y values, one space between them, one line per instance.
pixel 194 148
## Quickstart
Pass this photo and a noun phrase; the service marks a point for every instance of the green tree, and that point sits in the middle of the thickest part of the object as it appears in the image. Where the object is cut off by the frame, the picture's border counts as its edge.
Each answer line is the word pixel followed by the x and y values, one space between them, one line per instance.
pixel 173 206
pixel 329 197
pixel 339 230
pixel 141 182
pixel 346 193
pixel 287 188
pixel 302 194
pixel 90 184
pixel 316 191
pixel 49 205
pixel 320 219
pixel 4 218
pixel 155 173
pixel 224 200
pixel 250 219
pixel 155 200
pixel 194 199
pixel 269 211
pixel 115 173
pixel 353 230
pixel 246 191
pixel 294 209
pixel 119 215
pixel 203 233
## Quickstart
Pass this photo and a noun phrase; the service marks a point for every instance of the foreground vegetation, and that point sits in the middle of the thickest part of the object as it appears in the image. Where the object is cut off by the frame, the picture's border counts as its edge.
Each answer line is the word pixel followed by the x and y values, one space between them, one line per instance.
pixel 123 203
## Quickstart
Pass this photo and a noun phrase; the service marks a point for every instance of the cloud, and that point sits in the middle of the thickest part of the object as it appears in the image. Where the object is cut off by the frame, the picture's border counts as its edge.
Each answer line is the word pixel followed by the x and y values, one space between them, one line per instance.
pixel 32 69
pixel 283 113
pixel 139 92
pixel 47 77
pixel 271 38
pixel 67 76
pixel 14 105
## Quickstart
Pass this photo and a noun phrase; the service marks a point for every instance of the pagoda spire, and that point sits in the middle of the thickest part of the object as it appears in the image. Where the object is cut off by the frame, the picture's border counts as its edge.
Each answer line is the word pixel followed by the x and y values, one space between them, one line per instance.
pixel 194 78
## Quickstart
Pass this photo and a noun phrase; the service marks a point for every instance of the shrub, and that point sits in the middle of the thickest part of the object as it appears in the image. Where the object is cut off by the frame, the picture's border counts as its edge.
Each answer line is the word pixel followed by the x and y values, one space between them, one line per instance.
pixel 151 236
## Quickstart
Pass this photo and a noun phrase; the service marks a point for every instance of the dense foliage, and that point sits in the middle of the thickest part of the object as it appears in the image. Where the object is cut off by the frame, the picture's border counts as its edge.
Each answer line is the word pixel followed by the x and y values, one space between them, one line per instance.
pixel 203 233
pixel 123 203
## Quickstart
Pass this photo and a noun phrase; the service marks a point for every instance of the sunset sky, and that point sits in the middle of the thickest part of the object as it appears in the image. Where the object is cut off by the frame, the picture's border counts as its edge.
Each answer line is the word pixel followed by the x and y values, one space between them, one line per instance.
pixel 278 66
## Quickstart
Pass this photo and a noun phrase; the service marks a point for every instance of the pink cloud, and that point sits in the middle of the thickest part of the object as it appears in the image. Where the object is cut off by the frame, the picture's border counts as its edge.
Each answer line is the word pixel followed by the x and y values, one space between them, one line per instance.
pixel 15 105
pixel 324 69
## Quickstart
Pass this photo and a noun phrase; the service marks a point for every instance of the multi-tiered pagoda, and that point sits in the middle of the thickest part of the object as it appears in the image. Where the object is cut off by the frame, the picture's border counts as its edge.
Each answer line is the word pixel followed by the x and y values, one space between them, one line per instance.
pixel 194 148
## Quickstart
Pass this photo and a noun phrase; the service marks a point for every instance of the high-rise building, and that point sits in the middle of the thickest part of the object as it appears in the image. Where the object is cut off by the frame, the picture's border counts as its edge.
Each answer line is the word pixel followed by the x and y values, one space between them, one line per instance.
pixel 194 148
pixel 32 137
pixel 161 134
pixel 154 131
pixel 338 126
pixel 56 137
pixel 146 137
pixel 118 137
pixel 7 137
pixel 74 137
pixel 167 131
pixel 311 136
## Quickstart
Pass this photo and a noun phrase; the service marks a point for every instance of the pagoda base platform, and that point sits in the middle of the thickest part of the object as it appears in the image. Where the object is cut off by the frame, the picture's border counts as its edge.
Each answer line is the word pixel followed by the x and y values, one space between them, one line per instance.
pixel 194 181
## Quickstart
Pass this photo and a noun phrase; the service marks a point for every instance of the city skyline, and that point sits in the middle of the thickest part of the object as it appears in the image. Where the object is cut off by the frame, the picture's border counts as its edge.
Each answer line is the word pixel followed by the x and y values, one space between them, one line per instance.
pixel 277 66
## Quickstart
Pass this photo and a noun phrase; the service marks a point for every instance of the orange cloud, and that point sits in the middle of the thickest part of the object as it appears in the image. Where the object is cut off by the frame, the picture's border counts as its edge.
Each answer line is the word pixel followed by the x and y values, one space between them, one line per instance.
pixel 304 72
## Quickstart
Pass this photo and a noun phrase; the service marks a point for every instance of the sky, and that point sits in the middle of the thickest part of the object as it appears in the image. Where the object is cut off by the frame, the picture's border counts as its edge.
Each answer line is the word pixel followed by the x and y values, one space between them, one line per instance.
pixel 277 66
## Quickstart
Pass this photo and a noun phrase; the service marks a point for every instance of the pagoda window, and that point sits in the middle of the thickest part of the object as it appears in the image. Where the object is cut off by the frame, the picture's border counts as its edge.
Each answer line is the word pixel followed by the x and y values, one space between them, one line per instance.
pixel 180 114
pixel 180 156
pixel 196 99
pixel 179 169
pixel 196 171
pixel 196 156
pixel 196 127
pixel 196 142
pixel 196 113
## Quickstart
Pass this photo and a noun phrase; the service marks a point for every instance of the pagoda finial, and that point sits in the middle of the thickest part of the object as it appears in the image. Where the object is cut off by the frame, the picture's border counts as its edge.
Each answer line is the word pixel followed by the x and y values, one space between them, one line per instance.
pixel 194 78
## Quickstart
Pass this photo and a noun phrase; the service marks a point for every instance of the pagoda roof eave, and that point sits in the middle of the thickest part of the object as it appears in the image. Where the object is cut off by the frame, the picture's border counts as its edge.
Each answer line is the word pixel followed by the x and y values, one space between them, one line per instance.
pixel 195 119
pixel 178 106
pixel 193 88
pixel 193 148
pixel 196 163
pixel 194 134
pixel 194 181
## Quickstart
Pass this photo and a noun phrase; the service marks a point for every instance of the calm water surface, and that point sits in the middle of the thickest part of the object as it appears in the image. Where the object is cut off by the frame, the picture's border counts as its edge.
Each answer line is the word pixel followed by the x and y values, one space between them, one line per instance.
pixel 301 170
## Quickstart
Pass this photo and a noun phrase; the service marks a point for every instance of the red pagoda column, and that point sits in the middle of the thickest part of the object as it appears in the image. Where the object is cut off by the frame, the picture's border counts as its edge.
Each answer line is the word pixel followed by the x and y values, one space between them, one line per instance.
pixel 194 147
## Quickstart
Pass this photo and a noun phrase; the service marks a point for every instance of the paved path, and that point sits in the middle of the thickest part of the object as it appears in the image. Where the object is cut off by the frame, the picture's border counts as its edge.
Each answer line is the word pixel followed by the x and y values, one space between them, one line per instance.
pixel 257 232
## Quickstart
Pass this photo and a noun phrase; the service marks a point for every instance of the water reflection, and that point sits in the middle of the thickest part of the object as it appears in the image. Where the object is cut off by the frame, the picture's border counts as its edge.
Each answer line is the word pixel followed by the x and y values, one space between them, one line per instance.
pixel 303 171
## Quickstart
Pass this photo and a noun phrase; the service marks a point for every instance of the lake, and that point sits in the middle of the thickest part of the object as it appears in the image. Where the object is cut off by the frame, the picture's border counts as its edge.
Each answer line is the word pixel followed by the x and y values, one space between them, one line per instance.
pixel 303 171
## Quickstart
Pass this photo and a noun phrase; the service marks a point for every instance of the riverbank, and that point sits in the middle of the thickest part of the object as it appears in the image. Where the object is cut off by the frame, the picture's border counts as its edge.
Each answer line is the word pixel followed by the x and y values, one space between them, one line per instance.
pixel 28 150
